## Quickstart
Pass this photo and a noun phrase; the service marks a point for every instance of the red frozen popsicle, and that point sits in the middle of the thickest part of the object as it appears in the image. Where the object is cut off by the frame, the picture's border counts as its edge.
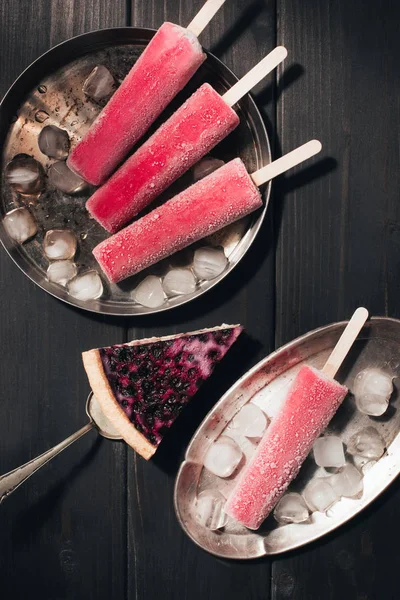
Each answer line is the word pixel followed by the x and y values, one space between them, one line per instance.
pixel 310 404
pixel 192 131
pixel 168 62
pixel 205 207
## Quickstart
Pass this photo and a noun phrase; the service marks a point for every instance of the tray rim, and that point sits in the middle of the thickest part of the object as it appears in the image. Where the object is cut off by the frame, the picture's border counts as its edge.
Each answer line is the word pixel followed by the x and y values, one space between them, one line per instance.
pixel 248 375
pixel 263 145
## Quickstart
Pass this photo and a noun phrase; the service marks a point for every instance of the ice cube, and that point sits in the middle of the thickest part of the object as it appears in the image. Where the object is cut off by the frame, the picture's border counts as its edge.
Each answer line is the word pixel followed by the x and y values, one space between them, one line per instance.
pixel 59 244
pixel 372 390
pixel 328 452
pixel 99 84
pixel 206 166
pixel 87 286
pixel 54 142
pixel 61 271
pixel 210 510
pixel 25 175
pixel 20 225
pixel 367 443
pixel 291 508
pixel 208 263
pixel 223 457
pixel 64 179
pixel 349 482
pixel 179 281
pixel 250 421
pixel 320 495
pixel 150 292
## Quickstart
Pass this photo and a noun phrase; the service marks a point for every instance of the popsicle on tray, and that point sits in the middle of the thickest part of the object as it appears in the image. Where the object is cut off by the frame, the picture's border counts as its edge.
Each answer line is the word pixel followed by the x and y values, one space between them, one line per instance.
pixel 163 69
pixel 310 404
pixel 193 130
pixel 219 199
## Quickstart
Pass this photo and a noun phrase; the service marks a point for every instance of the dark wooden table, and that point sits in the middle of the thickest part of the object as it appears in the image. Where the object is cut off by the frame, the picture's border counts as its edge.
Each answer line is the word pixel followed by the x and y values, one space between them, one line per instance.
pixel 98 522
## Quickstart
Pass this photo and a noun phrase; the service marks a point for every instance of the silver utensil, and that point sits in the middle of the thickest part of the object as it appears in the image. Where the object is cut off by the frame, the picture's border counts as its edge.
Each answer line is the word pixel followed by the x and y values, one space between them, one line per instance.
pixel 12 480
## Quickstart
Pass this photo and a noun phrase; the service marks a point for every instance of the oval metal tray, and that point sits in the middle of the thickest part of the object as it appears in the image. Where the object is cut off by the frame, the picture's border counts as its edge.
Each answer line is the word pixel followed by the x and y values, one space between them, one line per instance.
pixel 61 72
pixel 266 384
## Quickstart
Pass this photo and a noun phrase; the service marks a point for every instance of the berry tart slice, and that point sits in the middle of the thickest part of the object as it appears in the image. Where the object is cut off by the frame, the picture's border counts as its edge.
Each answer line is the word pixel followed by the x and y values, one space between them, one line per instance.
pixel 143 386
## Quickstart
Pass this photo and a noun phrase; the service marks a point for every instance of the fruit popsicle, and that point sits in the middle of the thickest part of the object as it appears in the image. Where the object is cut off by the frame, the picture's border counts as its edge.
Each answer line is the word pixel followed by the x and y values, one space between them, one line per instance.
pixel 171 58
pixel 194 129
pixel 312 400
pixel 311 403
pixel 219 199
pixel 213 202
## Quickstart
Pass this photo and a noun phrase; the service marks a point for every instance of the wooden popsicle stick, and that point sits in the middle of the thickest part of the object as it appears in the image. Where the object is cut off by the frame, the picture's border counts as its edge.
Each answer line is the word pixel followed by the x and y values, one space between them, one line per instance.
pixel 204 16
pixel 286 162
pixel 255 75
pixel 345 342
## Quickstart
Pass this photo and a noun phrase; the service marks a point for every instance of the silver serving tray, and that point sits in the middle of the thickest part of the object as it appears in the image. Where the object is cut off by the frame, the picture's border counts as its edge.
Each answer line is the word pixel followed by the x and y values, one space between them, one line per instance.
pixel 266 384
pixel 61 72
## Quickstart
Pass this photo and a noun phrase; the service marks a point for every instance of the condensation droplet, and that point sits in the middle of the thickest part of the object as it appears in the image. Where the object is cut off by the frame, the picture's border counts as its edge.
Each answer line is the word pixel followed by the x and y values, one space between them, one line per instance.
pixel 41 116
pixel 42 89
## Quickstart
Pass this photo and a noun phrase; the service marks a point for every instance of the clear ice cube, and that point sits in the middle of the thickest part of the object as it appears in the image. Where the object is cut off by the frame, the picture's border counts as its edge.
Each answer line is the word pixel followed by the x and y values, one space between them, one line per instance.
pixel 150 292
pixel 64 179
pixel 208 263
pixel 100 83
pixel 59 244
pixel 179 281
pixel 61 271
pixel 54 142
pixel 223 457
pixel 372 390
pixel 291 508
pixel 367 443
pixel 320 495
pixel 25 175
pixel 87 286
pixel 205 167
pixel 210 510
pixel 328 451
pixel 349 482
pixel 250 421
pixel 20 225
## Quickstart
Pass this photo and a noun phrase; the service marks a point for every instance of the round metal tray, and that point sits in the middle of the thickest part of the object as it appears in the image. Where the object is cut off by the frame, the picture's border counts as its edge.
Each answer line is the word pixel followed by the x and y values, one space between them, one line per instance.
pixel 266 384
pixel 53 83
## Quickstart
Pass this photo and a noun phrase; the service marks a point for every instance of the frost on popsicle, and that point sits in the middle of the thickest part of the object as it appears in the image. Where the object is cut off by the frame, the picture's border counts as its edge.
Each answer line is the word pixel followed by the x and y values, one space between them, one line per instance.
pixel 210 510
pixel 25 175
pixel 223 457
pixel 291 508
pixel 372 390
pixel 54 142
pixel 20 225
pixel 60 244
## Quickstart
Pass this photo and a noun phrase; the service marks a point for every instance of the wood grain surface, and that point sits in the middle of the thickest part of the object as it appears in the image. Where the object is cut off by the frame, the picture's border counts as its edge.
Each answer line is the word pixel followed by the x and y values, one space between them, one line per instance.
pixel 98 522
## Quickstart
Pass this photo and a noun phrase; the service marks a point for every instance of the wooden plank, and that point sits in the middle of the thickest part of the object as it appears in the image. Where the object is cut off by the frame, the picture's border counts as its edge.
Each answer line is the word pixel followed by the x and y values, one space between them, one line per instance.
pixel 64 530
pixel 338 239
pixel 161 558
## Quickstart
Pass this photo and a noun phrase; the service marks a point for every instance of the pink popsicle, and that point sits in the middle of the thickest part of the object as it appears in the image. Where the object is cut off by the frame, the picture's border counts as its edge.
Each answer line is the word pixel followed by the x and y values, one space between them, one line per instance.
pixel 164 68
pixel 311 403
pixel 192 131
pixel 205 207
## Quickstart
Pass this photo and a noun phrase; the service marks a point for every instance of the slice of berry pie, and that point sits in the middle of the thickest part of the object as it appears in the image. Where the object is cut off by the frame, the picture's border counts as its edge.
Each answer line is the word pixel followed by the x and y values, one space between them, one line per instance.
pixel 143 386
